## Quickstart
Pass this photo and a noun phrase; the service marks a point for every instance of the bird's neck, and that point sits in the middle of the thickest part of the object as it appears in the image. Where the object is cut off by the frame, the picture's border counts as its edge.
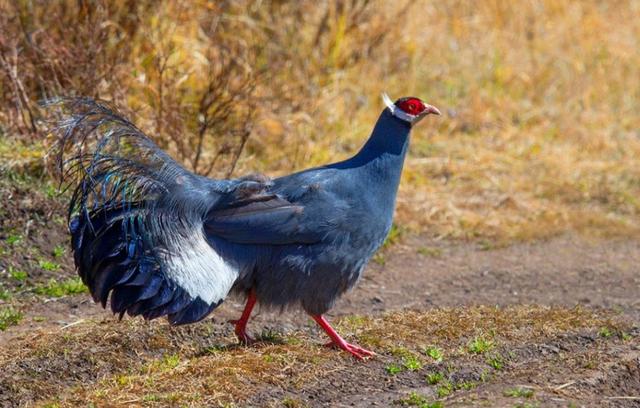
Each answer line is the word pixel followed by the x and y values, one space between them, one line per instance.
pixel 379 162
pixel 383 154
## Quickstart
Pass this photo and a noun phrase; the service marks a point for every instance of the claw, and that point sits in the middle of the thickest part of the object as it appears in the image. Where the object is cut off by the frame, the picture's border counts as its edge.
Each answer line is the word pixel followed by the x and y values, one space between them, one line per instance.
pixel 241 332
pixel 338 342
pixel 357 351
pixel 244 338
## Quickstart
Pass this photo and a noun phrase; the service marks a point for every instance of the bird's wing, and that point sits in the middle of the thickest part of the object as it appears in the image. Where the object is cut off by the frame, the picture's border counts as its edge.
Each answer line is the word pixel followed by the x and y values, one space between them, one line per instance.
pixel 271 218
pixel 274 221
pixel 136 218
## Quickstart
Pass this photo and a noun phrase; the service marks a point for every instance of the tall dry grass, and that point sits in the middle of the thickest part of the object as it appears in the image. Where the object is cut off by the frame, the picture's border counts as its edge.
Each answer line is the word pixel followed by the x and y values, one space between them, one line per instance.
pixel 541 131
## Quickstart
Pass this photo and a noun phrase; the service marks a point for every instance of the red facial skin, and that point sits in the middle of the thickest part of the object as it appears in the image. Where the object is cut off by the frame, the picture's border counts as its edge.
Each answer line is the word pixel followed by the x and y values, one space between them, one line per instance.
pixel 412 106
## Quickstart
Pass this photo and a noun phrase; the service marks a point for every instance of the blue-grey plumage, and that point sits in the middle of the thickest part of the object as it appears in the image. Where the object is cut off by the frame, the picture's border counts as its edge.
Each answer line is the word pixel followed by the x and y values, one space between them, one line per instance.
pixel 341 213
pixel 162 241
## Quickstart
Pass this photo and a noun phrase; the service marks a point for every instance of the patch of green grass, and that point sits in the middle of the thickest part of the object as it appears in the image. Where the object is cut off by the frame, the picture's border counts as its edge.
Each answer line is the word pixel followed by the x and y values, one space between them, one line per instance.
pixel 605 332
pixel 412 363
pixel 394 369
pixel 13 239
pixel 444 389
pixel 433 352
pixel 519 392
pixel 48 265
pixel 20 276
pixel 589 363
pixel 151 398
pixel 5 294
pixel 416 400
pixel 430 252
pixel 351 323
pixel 496 362
pixel 479 345
pixel 9 317
pixel 466 385
pixel 625 336
pixel 123 380
pixel 216 349
pixel 271 336
pixel 484 376
pixel 58 220
pixel 269 358
pixel 434 378
pixel 54 288
pixel 401 352
pixel 169 361
pixel 409 360
pixel 58 251
pixel 51 191
pixel 292 340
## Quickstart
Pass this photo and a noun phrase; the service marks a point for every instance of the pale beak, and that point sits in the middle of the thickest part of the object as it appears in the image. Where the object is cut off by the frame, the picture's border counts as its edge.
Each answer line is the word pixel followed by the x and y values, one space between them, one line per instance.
pixel 431 109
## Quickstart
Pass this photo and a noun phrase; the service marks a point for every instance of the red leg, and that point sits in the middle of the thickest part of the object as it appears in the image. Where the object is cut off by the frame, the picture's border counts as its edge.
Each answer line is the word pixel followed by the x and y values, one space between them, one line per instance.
pixel 241 323
pixel 338 341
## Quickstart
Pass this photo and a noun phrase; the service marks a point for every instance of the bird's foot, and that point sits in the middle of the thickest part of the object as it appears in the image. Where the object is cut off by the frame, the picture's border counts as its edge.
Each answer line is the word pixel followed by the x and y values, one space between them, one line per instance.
pixel 241 333
pixel 241 323
pixel 337 341
pixel 357 351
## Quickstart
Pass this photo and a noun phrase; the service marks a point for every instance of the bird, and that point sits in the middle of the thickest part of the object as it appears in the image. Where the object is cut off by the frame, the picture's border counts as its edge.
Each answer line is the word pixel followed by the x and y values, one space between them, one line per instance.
pixel 151 239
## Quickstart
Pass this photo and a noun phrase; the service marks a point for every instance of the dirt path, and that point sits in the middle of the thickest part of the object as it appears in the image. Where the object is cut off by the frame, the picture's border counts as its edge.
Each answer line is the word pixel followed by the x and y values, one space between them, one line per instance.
pixel 577 365
pixel 422 273
pixel 568 271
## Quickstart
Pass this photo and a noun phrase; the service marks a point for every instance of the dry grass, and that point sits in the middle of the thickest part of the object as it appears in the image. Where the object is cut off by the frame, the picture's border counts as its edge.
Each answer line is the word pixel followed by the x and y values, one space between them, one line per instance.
pixel 138 363
pixel 541 127
pixel 542 131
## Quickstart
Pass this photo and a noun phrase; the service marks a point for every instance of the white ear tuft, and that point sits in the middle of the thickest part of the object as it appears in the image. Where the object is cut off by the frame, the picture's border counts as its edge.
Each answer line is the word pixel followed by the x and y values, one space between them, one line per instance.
pixel 396 111
pixel 388 102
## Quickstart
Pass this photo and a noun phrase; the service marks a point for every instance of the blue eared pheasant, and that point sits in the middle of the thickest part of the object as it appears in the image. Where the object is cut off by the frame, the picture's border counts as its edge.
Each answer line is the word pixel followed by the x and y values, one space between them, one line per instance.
pixel 162 241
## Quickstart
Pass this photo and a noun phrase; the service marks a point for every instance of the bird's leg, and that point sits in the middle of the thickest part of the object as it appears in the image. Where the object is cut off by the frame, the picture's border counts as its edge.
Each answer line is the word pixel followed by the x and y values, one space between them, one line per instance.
pixel 241 323
pixel 337 341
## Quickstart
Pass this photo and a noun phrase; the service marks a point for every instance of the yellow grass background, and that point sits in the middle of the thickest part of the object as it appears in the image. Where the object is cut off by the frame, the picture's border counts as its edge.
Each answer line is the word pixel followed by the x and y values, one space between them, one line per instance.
pixel 542 130
pixel 541 125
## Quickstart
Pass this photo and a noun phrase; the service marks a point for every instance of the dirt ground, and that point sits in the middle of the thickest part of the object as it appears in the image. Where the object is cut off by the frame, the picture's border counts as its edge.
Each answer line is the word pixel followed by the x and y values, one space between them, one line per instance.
pixel 424 275
pixel 566 271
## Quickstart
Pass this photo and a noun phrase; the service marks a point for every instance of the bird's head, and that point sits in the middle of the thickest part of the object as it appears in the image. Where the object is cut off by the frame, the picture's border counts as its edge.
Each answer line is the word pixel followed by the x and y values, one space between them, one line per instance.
pixel 409 109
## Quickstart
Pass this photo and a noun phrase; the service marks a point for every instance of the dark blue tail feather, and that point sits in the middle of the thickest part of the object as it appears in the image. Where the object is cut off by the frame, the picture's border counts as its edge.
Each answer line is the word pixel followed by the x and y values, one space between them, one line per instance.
pixel 113 261
pixel 130 200
pixel 197 310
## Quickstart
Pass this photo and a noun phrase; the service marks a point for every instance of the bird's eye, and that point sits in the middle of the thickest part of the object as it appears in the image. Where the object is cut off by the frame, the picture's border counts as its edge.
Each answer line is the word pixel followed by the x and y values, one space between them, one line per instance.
pixel 412 106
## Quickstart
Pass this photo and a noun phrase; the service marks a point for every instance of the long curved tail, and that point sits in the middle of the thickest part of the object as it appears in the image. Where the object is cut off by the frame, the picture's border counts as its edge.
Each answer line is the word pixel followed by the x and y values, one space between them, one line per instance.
pixel 136 217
